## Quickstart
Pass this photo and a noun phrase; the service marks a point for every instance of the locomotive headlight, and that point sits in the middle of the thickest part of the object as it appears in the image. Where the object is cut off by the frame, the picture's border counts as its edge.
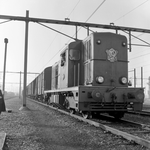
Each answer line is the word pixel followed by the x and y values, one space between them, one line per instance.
pixel 98 42
pixel 100 79
pixel 123 44
pixel 123 80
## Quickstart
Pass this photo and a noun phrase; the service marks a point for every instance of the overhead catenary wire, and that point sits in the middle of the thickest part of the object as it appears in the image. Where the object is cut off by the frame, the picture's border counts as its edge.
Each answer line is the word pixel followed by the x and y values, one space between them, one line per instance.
pixel 71 37
pixel 55 38
pixel 139 56
pixel 140 51
pixel 90 17
pixel 74 8
pixel 77 30
pixel 138 38
pixel 53 57
pixel 131 11
pixel 95 10
pixel 57 31
pixel 80 27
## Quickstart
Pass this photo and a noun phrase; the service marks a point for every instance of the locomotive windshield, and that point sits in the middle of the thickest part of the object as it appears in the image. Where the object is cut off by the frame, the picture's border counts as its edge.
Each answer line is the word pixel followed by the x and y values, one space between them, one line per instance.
pixel 74 54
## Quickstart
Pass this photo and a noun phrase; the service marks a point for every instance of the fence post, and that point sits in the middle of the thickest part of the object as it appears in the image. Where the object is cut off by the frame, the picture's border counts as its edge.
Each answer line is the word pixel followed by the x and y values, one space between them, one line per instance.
pixel 142 77
pixel 134 77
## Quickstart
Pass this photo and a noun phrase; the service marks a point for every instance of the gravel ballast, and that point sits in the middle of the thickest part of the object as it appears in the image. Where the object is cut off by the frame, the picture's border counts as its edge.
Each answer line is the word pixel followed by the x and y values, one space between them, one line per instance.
pixel 42 128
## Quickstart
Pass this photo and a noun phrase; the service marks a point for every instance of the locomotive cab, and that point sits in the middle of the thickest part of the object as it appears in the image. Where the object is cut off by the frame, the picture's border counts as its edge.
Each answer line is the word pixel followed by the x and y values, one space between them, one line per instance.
pixel 105 60
pixel 70 65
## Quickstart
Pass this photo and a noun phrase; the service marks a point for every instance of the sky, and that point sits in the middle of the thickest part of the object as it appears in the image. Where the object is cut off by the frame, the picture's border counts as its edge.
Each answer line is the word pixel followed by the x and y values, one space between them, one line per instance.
pixel 44 45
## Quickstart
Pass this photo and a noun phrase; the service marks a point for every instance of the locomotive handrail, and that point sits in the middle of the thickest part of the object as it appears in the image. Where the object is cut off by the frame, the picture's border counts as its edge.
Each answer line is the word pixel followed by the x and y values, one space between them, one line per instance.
pixel 62 90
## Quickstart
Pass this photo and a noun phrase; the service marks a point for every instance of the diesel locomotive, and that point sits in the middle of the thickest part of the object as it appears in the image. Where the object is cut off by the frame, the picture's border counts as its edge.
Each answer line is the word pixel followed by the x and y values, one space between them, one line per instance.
pixel 91 77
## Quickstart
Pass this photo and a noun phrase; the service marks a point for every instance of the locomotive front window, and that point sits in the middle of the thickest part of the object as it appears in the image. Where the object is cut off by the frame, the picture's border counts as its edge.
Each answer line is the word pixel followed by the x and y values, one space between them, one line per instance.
pixel 74 54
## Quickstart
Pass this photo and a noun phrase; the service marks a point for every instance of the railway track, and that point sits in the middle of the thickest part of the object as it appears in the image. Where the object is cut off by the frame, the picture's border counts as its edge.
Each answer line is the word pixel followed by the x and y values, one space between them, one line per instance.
pixel 142 113
pixel 125 121
pixel 131 131
pixel 128 126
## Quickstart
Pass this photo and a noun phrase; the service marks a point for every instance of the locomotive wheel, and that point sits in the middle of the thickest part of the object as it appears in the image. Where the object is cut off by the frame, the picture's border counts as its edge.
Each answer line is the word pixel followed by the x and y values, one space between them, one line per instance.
pixel 95 114
pixel 66 104
pixel 72 111
pixel 86 115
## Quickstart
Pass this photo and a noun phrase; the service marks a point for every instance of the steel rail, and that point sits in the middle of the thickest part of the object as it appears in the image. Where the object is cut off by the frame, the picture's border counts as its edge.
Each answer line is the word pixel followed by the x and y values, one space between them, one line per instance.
pixel 125 135
pixel 136 124
pixel 142 113
pixel 144 126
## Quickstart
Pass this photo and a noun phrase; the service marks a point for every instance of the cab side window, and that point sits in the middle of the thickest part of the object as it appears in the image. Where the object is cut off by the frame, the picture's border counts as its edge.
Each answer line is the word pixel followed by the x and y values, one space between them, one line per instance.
pixel 63 58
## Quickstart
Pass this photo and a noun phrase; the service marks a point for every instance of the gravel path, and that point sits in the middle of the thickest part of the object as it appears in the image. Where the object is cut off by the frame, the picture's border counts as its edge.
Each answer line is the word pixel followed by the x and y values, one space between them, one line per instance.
pixel 42 128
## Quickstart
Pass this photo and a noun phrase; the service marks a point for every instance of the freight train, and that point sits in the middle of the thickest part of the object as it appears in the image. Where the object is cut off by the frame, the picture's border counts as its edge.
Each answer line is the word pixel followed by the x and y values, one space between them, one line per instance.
pixel 91 77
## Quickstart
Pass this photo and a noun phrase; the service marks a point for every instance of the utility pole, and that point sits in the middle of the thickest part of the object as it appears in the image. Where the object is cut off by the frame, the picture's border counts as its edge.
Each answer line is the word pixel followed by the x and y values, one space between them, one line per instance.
pixel 25 61
pixel 20 80
pixel 5 41
pixel 134 77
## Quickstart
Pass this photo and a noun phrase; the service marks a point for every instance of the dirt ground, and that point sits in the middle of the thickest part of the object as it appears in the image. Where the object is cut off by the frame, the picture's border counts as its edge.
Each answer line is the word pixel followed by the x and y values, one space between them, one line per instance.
pixel 41 128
